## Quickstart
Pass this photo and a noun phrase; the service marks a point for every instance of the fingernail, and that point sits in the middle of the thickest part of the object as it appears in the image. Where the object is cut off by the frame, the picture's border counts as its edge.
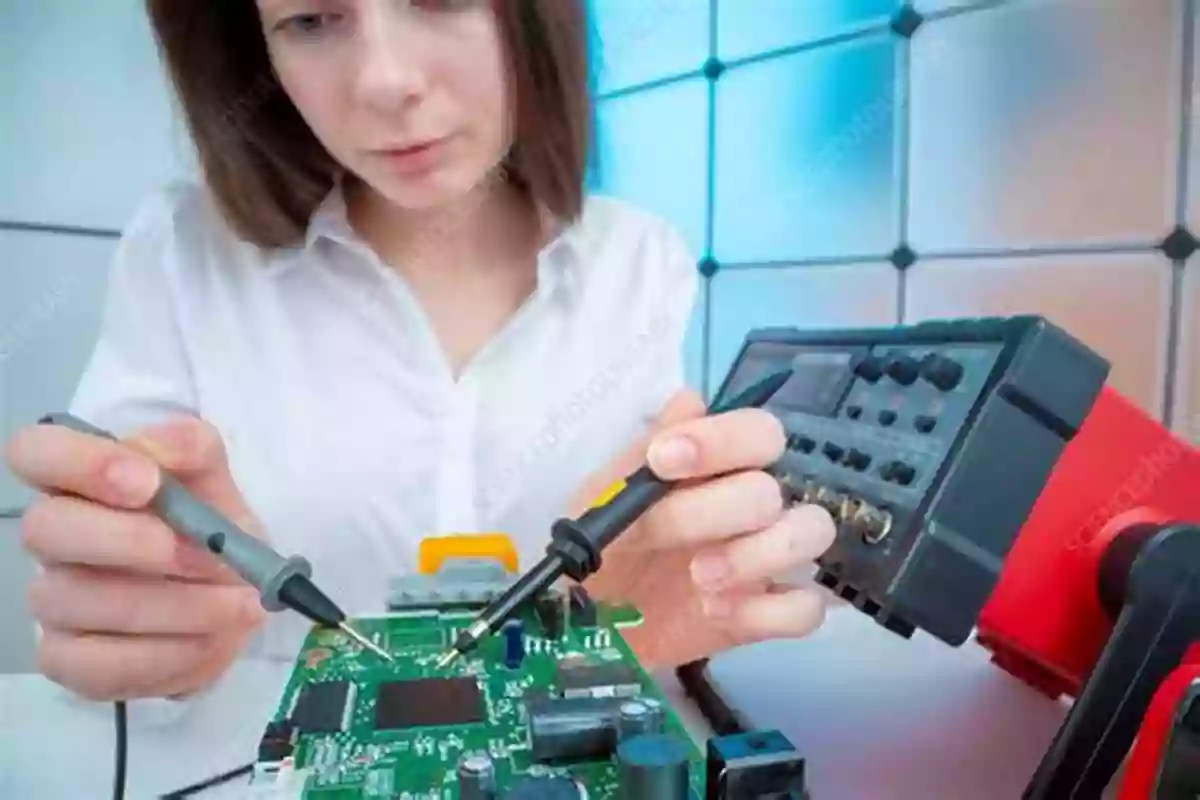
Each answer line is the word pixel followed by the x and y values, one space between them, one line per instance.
pixel 716 606
pixel 709 572
pixel 132 479
pixel 672 456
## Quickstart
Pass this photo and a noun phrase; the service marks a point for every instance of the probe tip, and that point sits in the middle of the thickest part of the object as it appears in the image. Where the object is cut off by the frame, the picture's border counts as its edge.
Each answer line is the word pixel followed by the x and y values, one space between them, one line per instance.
pixel 365 642
pixel 447 659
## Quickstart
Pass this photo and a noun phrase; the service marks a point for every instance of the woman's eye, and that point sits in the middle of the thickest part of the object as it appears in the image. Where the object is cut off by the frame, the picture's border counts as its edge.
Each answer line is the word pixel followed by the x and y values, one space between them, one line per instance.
pixel 446 5
pixel 308 23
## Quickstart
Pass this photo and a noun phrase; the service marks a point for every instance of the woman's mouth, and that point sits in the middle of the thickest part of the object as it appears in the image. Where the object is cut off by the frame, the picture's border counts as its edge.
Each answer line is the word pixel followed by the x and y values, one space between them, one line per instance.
pixel 414 158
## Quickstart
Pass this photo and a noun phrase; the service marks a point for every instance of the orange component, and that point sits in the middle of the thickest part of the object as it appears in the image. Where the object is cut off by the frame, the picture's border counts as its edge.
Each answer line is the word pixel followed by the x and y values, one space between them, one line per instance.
pixel 436 549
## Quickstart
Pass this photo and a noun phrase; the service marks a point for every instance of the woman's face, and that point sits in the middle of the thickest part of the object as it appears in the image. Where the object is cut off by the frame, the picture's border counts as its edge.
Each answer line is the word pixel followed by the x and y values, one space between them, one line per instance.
pixel 409 95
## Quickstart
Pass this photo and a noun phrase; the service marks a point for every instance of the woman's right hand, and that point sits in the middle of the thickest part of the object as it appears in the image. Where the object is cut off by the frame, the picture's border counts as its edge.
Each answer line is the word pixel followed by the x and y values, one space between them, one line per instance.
pixel 128 608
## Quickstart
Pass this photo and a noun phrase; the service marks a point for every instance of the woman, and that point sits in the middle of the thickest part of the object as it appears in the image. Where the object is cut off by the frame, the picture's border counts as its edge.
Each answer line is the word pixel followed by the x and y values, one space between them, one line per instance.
pixel 390 312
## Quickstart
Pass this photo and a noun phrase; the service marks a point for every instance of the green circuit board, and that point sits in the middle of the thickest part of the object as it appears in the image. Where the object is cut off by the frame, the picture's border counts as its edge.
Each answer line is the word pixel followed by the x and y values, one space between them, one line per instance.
pixel 350 725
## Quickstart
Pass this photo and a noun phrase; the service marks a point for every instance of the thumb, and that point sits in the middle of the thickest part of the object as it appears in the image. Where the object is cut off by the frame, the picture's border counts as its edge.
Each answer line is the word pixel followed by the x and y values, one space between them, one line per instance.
pixel 194 452
pixel 683 405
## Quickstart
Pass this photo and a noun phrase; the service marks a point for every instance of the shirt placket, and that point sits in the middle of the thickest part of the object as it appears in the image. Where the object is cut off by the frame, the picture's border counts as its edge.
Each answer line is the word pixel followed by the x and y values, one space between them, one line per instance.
pixel 456 474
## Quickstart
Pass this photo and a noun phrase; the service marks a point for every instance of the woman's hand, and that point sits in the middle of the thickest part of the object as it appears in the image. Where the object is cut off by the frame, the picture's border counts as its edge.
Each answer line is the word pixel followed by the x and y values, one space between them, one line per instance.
pixel 703 565
pixel 127 607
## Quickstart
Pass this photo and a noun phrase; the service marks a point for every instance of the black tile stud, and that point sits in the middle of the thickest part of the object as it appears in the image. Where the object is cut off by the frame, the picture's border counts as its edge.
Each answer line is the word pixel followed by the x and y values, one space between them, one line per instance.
pixel 1180 244
pixel 903 257
pixel 713 68
pixel 906 21
pixel 708 266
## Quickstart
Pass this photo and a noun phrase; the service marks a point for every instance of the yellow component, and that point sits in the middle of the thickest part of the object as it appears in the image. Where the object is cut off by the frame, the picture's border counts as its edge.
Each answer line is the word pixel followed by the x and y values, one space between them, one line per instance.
pixel 612 491
pixel 436 549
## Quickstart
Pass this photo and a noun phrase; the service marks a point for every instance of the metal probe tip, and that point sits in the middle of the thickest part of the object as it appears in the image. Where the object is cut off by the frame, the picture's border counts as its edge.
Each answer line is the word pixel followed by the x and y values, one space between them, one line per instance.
pixel 447 659
pixel 367 643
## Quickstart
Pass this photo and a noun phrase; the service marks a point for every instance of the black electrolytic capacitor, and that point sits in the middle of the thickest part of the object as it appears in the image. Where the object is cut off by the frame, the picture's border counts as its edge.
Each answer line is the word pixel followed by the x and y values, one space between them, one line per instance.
pixel 638 716
pixel 573 728
pixel 476 777
pixel 653 766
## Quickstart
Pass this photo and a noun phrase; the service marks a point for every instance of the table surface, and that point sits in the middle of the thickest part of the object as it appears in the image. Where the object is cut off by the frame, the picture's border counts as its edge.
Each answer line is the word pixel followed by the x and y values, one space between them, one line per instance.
pixel 874 715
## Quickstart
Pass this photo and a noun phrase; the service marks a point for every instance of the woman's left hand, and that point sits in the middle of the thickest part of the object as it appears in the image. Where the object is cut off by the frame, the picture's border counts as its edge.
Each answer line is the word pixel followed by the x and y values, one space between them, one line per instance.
pixel 705 564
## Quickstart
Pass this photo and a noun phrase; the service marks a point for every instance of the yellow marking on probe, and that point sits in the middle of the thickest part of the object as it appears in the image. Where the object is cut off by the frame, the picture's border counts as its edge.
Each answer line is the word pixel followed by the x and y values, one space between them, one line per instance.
pixel 608 494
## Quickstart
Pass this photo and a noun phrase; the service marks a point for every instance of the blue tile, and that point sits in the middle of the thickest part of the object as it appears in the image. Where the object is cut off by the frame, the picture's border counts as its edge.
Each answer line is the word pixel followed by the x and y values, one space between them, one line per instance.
pixel 635 41
pixel 805 155
pixel 652 150
pixel 750 27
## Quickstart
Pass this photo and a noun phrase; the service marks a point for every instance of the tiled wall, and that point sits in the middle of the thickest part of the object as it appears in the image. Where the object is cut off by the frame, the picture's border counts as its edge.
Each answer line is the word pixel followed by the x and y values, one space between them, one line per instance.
pixel 849 162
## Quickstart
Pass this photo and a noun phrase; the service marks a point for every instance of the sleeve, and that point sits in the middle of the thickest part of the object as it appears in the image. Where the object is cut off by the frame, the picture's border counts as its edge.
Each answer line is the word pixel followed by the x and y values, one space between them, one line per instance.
pixel 138 372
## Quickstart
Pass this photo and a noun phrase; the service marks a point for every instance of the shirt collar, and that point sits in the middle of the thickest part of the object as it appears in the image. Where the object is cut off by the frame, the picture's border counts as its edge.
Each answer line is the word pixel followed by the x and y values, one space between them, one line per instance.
pixel 560 258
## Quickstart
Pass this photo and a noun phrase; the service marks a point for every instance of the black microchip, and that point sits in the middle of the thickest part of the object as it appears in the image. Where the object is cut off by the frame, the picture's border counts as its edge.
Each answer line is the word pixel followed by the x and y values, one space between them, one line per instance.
pixel 583 679
pixel 428 701
pixel 321 707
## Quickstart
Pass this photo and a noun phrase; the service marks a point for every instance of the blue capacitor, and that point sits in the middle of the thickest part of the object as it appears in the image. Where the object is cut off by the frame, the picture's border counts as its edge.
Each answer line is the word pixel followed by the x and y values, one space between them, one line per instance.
pixel 514 643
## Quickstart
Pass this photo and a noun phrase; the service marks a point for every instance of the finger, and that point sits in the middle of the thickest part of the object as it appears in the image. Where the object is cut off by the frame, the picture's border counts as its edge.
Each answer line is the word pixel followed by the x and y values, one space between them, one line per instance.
pixel 746 438
pixel 104 667
pixel 800 536
pixel 682 405
pixel 53 458
pixel 720 508
pixel 750 618
pixel 194 451
pixel 71 530
pixel 87 600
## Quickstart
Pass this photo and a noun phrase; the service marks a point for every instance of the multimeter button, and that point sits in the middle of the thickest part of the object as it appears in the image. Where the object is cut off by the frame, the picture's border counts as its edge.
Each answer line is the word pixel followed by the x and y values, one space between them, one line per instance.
pixel 858 460
pixel 924 423
pixel 832 451
pixel 869 368
pixel 902 369
pixel 887 417
pixel 898 472
pixel 800 442
pixel 942 372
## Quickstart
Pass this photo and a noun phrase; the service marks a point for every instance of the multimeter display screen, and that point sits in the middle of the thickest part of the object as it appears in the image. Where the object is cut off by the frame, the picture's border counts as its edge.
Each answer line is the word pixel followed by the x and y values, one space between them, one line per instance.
pixel 820 379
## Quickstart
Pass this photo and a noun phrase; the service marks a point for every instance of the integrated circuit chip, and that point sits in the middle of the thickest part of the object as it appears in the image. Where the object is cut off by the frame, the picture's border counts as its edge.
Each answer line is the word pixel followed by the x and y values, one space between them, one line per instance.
pixel 577 678
pixel 323 707
pixel 429 701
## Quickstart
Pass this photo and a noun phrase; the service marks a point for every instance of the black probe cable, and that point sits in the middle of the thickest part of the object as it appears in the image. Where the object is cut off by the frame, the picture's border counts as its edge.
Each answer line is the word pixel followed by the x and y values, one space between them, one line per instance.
pixel 120 749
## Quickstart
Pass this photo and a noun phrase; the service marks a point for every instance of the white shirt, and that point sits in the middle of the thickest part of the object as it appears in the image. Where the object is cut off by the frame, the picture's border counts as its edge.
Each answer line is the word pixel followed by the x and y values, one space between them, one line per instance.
pixel 346 430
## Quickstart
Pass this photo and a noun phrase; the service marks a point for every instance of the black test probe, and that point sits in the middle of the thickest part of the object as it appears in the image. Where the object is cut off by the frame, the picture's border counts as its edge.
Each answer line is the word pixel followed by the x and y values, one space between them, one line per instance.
pixel 281 582
pixel 575 545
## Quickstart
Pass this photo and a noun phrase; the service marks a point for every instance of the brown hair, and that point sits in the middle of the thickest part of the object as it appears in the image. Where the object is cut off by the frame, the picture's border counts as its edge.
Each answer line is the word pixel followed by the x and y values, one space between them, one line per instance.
pixel 267 170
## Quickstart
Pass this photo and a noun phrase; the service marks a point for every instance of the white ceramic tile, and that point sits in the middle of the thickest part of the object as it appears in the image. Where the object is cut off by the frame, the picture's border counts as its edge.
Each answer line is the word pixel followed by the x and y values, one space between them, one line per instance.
pixel 643 40
pixel 750 28
pixel 1187 405
pixel 1045 123
pixel 801 297
pixel 51 293
pixel 652 149
pixel 805 155
pixel 86 127
pixel 1116 304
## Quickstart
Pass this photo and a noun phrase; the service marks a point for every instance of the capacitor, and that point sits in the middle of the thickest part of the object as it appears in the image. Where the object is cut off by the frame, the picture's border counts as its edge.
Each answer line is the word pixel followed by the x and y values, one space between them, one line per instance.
pixel 514 643
pixel 638 716
pixel 572 728
pixel 653 766
pixel 476 777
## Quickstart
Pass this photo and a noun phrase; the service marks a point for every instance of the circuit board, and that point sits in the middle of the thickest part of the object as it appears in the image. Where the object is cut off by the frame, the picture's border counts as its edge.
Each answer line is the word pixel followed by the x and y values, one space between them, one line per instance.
pixel 538 710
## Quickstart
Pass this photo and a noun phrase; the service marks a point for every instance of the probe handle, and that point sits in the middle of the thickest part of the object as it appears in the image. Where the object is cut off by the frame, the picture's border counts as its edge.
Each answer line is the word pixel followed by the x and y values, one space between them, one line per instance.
pixel 251 558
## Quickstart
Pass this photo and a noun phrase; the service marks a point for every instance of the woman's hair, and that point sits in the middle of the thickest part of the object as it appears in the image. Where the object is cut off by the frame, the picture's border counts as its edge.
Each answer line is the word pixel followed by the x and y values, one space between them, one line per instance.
pixel 267 170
